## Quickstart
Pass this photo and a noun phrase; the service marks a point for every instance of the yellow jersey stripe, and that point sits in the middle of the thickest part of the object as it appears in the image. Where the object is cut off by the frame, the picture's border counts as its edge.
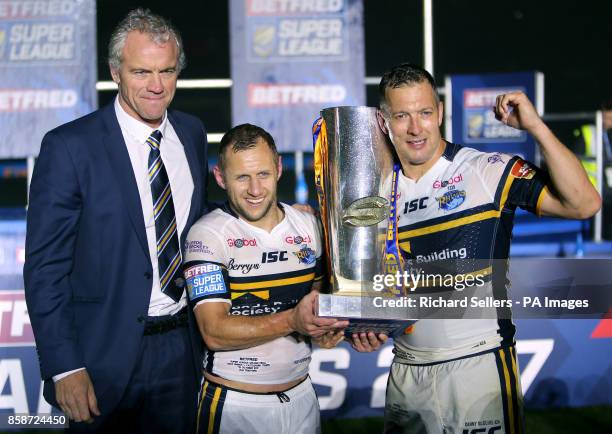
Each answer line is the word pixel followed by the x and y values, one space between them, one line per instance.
pixel 543 193
pixel 264 295
pixel 213 410
pixel 202 395
pixel 271 283
pixel 405 246
pixel 449 225
pixel 508 391
pixel 506 191
pixel 485 215
pixel 517 382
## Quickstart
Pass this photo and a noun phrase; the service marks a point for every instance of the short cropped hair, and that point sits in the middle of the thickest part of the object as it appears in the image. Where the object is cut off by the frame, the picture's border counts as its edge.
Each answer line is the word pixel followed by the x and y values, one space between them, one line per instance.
pixel 143 20
pixel 243 137
pixel 406 74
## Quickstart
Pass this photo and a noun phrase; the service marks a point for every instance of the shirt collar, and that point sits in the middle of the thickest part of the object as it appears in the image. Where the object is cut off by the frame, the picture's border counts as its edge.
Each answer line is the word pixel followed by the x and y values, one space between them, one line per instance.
pixel 138 131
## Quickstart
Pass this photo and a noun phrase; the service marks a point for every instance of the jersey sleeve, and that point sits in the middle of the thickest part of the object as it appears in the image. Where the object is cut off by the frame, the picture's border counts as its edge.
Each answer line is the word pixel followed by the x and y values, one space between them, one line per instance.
pixel 512 181
pixel 205 267
pixel 528 185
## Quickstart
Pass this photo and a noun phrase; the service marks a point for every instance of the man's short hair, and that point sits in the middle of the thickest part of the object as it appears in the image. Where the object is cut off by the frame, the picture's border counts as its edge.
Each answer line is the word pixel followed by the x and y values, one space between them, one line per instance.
pixel 406 74
pixel 143 20
pixel 243 137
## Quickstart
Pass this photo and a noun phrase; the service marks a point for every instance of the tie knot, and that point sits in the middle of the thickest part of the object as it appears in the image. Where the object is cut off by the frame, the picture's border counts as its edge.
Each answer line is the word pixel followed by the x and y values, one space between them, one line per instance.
pixel 155 139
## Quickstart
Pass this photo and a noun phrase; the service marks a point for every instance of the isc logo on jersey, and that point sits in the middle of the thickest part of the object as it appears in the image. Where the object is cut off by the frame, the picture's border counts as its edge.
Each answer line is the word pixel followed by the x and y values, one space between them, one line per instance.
pixel 204 280
pixel 269 257
pixel 239 242
pixel 415 204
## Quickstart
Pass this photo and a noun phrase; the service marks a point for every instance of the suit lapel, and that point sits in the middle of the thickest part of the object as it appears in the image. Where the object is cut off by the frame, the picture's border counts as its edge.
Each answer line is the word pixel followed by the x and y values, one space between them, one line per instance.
pixel 191 153
pixel 122 168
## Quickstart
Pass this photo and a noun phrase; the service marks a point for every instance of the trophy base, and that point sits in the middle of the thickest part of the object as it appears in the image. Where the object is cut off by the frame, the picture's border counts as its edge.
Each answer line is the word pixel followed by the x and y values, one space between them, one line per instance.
pixel 361 319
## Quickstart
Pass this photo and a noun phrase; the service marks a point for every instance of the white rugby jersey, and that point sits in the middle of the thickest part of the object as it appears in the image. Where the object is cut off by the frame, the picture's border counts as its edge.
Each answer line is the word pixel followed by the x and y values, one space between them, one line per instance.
pixel 463 208
pixel 258 273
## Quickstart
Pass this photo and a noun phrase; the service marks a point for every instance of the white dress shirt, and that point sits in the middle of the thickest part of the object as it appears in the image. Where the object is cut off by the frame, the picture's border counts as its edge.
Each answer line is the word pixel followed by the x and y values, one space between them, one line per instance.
pixel 135 134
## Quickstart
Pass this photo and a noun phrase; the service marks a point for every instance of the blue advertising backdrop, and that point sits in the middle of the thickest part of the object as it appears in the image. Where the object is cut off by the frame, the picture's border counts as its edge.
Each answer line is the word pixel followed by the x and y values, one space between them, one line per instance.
pixel 291 59
pixel 48 69
pixel 473 121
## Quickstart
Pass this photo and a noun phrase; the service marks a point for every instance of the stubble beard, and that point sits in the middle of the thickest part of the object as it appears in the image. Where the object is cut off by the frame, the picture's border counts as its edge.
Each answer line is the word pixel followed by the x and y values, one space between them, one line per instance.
pixel 250 216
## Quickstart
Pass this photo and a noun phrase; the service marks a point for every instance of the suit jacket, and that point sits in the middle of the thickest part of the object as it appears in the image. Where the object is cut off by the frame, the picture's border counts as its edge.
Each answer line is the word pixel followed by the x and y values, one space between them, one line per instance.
pixel 88 273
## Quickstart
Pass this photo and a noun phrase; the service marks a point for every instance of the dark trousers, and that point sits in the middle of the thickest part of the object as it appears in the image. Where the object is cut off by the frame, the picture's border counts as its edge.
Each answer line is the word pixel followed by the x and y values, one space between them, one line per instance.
pixel 161 396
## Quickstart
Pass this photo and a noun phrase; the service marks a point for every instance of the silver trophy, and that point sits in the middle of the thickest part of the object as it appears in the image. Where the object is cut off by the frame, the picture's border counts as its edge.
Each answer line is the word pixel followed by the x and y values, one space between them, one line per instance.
pixel 357 172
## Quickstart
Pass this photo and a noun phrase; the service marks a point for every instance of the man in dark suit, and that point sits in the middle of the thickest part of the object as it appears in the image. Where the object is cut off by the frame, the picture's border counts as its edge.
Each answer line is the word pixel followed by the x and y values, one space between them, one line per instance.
pixel 112 197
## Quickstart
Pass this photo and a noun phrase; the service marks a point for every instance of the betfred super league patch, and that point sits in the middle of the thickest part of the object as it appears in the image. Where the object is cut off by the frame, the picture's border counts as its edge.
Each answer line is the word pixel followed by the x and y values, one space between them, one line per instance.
pixel 204 280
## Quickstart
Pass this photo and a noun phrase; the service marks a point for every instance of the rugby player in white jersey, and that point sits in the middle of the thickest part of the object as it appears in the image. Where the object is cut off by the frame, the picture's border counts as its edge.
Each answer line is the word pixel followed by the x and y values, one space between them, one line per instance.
pixel 454 375
pixel 252 268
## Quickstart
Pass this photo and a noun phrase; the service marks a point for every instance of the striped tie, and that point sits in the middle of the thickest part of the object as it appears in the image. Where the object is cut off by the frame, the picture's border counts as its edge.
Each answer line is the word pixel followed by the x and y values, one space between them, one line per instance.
pixel 168 251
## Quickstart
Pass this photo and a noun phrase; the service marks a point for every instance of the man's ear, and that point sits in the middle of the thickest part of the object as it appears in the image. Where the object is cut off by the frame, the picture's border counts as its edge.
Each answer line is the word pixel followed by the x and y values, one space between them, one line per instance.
pixel 440 113
pixel 219 176
pixel 382 123
pixel 114 74
pixel 279 167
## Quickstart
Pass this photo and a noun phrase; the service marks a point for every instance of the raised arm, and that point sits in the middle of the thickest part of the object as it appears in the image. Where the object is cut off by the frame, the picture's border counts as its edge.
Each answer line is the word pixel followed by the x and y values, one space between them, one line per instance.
pixel 570 193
